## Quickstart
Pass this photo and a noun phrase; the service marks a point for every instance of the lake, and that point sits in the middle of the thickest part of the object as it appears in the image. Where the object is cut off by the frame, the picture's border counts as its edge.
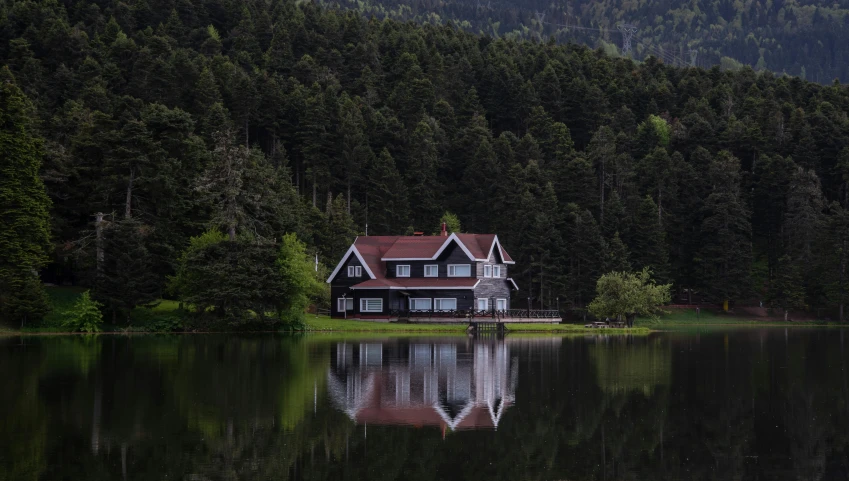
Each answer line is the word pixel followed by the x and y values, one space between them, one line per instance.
pixel 761 404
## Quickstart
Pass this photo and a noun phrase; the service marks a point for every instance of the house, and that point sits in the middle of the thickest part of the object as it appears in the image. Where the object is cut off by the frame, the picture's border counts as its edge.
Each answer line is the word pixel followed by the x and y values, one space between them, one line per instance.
pixel 381 277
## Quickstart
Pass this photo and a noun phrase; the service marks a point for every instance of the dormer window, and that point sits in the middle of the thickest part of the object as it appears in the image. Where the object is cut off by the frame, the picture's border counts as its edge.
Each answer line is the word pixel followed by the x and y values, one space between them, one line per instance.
pixel 431 270
pixel 487 271
pixel 402 271
pixel 459 270
pixel 355 271
pixel 496 271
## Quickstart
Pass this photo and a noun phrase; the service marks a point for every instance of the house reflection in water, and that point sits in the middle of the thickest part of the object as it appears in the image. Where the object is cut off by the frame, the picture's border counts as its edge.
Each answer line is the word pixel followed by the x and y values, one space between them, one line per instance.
pixel 461 385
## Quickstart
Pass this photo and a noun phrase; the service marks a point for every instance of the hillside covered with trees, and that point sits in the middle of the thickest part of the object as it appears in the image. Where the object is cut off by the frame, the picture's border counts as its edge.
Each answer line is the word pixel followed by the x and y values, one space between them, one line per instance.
pixel 801 38
pixel 257 119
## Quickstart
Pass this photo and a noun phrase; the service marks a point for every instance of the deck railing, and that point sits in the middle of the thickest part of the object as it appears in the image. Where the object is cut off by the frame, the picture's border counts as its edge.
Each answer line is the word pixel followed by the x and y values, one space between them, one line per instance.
pixel 475 313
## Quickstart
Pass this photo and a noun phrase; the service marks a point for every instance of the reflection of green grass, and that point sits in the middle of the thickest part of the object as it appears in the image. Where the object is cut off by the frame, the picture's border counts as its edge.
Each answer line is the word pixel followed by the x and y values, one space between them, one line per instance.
pixel 573 328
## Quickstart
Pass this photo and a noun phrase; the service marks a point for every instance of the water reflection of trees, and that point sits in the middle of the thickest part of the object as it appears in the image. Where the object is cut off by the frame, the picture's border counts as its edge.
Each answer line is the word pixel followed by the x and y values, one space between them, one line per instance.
pixel 750 405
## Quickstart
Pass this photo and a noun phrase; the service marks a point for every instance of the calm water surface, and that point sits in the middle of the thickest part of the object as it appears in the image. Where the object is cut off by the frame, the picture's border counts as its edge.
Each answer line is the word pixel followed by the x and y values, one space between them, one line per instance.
pixel 746 404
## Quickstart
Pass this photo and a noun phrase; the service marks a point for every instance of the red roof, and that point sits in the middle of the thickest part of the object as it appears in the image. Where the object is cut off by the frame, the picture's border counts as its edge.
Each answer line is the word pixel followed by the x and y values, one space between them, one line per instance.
pixel 412 283
pixel 376 250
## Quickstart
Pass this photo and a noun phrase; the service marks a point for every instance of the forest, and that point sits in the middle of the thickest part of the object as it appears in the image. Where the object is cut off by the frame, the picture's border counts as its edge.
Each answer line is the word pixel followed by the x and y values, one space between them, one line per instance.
pixel 206 130
pixel 803 38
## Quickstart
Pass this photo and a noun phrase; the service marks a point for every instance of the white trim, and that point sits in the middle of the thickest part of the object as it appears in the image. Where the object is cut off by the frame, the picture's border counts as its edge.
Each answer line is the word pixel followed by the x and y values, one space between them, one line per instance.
pixel 501 248
pixel 363 303
pixel 402 265
pixel 500 300
pixel 346 300
pixel 455 270
pixel 431 265
pixel 428 299
pixel 435 299
pixel 399 288
pixel 510 280
pixel 352 249
pixel 499 272
pixel 487 267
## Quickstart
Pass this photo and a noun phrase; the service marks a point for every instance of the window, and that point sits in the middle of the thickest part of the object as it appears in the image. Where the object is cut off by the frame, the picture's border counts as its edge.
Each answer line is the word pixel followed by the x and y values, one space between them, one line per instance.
pixel 501 304
pixel 432 271
pixel 355 271
pixel 483 304
pixel 459 270
pixel 344 304
pixel 371 305
pixel 402 271
pixel 420 304
pixel 487 271
pixel 496 271
pixel 446 304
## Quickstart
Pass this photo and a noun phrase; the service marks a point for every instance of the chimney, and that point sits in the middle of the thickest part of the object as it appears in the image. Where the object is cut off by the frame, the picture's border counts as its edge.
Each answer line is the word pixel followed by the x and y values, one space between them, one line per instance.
pixel 444 230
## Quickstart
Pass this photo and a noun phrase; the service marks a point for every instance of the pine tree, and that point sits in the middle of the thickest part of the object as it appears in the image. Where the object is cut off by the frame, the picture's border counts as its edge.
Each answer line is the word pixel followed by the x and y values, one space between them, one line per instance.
pixel 726 254
pixel 127 278
pixel 480 183
pixel 650 249
pixel 616 258
pixel 386 198
pixel 421 176
pixel 24 208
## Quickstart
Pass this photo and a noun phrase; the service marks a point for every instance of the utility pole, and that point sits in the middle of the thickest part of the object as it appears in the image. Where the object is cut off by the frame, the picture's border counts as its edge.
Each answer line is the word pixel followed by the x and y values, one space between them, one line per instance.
pixel 628 30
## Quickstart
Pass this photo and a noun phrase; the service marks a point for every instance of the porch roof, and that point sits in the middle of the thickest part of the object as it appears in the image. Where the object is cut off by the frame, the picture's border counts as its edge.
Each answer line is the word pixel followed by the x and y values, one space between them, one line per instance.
pixel 418 283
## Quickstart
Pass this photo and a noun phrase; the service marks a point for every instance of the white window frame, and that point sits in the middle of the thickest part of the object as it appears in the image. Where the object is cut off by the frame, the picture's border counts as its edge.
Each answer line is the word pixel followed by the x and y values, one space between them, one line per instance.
pixel 485 304
pixel 452 270
pixel 398 270
pixel 364 304
pixel 355 271
pixel 435 267
pixel 499 306
pixel 429 303
pixel 496 271
pixel 487 270
pixel 437 301
pixel 347 300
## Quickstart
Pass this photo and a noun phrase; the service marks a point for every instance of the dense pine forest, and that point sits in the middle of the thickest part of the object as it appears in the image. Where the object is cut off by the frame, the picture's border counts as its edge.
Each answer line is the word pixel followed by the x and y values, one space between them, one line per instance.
pixel 205 130
pixel 805 38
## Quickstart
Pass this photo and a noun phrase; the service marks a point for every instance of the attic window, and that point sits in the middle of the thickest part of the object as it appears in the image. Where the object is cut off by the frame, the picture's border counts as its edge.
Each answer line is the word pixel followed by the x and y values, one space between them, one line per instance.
pixel 402 271
pixel 355 271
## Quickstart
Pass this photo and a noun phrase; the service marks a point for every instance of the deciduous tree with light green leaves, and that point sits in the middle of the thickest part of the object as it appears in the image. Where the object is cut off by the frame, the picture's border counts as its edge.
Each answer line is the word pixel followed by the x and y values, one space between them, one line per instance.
pixel 627 295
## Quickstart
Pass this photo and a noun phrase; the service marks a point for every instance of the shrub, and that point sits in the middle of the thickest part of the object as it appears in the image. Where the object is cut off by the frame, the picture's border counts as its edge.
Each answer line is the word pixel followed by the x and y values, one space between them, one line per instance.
pixel 85 315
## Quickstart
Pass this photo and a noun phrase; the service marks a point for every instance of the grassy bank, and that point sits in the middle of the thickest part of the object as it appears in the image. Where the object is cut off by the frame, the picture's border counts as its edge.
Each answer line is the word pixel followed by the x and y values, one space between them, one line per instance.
pixel 681 318
pixel 167 317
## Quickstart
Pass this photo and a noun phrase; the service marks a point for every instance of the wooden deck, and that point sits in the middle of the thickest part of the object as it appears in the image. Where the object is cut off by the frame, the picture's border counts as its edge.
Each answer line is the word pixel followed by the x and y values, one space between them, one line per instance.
pixel 511 316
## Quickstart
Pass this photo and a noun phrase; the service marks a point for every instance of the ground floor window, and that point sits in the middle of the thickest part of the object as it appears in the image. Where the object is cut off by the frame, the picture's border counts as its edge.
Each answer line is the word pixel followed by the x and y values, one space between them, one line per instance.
pixel 501 304
pixel 344 304
pixel 420 304
pixel 371 305
pixel 483 304
pixel 446 304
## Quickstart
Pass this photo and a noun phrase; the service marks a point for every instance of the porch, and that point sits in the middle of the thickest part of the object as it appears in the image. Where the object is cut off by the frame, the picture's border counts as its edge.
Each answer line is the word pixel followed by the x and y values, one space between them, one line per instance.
pixel 472 316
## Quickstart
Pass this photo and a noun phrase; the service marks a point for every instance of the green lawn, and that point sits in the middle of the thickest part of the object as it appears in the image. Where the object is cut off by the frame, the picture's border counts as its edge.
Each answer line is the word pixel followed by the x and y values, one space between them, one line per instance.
pixel 677 318
pixel 326 324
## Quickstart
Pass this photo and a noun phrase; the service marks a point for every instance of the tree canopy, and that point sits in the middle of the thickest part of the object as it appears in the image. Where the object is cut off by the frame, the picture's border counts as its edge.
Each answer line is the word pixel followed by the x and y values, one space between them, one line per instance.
pixel 626 294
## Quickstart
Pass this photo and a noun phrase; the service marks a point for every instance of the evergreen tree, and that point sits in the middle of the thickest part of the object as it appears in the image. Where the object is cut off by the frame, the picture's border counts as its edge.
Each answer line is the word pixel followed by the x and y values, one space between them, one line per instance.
pixel 421 176
pixel 650 249
pixel 24 208
pixel 386 199
pixel 726 254
pixel 616 255
pixel 127 277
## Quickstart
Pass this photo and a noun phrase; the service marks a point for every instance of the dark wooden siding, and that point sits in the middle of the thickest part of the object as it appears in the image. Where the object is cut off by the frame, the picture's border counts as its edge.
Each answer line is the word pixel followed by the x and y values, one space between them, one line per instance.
pixel 342 278
pixel 452 254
